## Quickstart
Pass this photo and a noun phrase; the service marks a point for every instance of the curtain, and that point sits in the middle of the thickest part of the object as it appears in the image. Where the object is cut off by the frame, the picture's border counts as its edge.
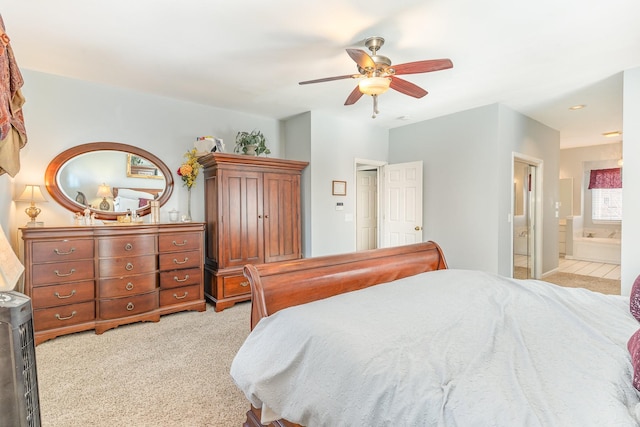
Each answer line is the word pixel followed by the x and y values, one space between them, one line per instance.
pixel 605 178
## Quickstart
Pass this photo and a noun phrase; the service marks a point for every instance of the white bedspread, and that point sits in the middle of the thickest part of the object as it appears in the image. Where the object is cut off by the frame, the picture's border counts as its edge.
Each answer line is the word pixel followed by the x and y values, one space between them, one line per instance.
pixel 446 348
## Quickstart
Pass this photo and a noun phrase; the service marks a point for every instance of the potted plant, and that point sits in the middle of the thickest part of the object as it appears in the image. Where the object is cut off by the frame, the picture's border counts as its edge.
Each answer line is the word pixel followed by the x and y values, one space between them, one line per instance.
pixel 252 143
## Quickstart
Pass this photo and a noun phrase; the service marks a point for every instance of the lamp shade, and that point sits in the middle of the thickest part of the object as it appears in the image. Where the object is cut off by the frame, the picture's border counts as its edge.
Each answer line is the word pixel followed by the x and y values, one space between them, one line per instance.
pixel 31 193
pixel 104 191
pixel 374 85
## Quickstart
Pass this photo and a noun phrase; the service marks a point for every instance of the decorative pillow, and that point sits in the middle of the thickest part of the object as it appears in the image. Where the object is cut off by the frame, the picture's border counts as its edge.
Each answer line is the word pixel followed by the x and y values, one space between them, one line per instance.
pixel 634 349
pixel 634 299
pixel 144 202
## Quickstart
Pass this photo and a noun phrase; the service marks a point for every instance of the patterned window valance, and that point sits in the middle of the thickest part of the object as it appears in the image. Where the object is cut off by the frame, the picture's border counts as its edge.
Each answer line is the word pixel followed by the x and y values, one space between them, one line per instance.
pixel 605 178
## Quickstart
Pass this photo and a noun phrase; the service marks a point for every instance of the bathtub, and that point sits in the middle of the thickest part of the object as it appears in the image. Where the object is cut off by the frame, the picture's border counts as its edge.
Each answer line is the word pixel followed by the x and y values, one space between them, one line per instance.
pixel 596 249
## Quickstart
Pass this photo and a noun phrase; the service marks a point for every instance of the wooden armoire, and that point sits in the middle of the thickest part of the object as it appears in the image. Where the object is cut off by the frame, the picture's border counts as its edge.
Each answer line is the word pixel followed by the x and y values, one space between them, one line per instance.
pixel 252 211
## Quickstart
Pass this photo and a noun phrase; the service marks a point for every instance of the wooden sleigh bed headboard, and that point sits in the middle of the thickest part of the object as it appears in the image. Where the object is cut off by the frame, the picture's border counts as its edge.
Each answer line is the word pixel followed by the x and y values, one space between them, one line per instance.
pixel 284 284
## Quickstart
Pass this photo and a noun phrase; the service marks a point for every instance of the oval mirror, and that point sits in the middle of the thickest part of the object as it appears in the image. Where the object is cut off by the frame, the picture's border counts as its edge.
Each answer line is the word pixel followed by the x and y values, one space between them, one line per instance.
pixel 108 177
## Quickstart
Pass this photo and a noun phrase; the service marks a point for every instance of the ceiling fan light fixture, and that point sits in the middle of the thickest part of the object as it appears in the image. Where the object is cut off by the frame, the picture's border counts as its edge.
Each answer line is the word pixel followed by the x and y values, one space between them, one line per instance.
pixel 374 85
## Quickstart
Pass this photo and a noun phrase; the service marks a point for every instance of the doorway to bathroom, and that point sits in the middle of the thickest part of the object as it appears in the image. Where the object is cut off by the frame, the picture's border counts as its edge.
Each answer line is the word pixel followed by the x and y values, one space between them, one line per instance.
pixel 525 217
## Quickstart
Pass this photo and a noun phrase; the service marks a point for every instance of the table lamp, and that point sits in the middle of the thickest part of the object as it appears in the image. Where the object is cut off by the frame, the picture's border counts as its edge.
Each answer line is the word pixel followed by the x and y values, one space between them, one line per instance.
pixel 32 193
pixel 104 191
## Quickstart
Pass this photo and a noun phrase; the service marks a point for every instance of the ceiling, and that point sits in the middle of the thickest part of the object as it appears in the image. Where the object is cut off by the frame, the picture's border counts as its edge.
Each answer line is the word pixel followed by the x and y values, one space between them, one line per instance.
pixel 538 58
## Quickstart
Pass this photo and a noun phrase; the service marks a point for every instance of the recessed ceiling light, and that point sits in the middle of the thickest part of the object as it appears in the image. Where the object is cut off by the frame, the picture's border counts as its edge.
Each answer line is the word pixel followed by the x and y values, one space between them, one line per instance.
pixel 577 107
pixel 612 134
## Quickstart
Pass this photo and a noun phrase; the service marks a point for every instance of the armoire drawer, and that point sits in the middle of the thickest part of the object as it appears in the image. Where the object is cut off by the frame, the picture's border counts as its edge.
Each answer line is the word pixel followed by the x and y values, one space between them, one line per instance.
pixel 61 272
pixel 62 250
pixel 115 267
pixel 126 246
pixel 177 278
pixel 64 315
pixel 179 242
pixel 127 306
pixel 67 293
pixel 179 295
pixel 176 260
pixel 128 285
pixel 235 285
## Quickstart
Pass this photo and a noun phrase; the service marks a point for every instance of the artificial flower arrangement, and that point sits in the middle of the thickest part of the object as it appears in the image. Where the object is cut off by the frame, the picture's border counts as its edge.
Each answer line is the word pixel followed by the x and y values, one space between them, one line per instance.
pixel 189 169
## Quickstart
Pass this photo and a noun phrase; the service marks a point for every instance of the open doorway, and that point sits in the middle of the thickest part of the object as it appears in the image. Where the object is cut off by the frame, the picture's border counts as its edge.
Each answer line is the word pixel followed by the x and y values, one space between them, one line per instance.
pixel 388 204
pixel 526 214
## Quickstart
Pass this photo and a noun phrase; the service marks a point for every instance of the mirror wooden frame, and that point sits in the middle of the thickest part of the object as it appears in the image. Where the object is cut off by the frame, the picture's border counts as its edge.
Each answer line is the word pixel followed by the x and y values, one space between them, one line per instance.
pixel 51 175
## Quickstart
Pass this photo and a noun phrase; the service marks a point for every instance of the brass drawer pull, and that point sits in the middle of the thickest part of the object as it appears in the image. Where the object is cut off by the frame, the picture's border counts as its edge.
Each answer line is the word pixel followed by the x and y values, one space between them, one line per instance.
pixel 57 294
pixel 128 267
pixel 182 297
pixel 181 262
pixel 129 286
pixel 184 242
pixel 130 306
pixel 244 284
pixel 128 247
pixel 186 277
pixel 73 313
pixel 57 273
pixel 58 252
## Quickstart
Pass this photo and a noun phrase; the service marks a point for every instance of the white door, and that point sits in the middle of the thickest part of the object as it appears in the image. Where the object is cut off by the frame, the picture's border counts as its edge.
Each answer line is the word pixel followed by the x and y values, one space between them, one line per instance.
pixel 367 210
pixel 402 222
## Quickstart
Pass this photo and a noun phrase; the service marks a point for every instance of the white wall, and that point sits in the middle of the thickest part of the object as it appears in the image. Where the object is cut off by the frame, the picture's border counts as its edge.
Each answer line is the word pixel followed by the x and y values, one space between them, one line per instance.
pixel 468 181
pixel 333 144
pixel 630 262
pixel 61 113
pixel 459 153
pixel 523 135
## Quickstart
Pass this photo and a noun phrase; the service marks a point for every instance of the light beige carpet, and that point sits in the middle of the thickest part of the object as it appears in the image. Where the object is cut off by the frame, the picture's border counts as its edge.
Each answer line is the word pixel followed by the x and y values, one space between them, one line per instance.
pixel 597 284
pixel 171 373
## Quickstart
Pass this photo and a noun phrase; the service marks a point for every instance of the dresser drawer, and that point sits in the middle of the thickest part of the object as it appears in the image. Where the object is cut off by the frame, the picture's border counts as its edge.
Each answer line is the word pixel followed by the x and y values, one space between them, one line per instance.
pixel 180 260
pixel 125 266
pixel 128 306
pixel 179 242
pixel 69 293
pixel 62 250
pixel 61 272
pixel 179 295
pixel 126 246
pixel 123 286
pixel 65 315
pixel 235 285
pixel 177 278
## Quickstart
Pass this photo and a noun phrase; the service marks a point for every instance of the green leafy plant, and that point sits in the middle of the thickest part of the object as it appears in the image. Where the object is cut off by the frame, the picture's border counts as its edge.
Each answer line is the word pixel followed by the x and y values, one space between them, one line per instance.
pixel 252 142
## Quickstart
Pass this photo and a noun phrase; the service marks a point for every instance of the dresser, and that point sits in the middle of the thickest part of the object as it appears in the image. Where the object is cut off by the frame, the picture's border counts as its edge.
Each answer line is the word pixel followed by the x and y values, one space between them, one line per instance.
pixel 100 277
pixel 252 211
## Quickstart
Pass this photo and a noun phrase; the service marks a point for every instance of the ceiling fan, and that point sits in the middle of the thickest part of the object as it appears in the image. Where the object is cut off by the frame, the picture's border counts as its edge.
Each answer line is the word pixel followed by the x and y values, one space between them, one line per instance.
pixel 378 75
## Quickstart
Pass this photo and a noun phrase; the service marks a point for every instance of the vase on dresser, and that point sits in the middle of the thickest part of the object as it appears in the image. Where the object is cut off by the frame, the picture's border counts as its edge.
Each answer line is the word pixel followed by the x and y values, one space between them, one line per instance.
pixel 187 217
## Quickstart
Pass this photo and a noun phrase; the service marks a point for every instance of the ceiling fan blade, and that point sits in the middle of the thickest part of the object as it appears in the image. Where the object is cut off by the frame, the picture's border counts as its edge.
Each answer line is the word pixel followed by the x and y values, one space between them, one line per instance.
pixel 423 66
pixel 407 88
pixel 327 79
pixel 354 96
pixel 362 58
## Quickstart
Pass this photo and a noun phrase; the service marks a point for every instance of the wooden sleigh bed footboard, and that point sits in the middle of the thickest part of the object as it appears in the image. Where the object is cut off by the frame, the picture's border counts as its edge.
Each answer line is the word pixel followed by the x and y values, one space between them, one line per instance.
pixel 276 286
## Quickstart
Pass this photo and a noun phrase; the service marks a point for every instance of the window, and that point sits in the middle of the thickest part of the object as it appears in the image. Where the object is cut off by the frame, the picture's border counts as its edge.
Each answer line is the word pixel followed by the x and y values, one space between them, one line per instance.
pixel 606 204
pixel 606 194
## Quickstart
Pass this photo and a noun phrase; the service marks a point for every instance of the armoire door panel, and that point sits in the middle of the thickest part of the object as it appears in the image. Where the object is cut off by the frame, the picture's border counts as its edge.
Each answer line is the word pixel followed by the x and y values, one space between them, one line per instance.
pixel 242 223
pixel 282 222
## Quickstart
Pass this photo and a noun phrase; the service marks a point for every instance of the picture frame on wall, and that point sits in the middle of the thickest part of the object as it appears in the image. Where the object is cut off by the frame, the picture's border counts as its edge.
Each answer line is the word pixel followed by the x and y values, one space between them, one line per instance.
pixel 339 188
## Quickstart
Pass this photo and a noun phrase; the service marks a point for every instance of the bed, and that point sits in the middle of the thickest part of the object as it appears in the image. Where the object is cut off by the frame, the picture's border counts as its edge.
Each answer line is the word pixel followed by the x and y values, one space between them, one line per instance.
pixel 394 337
pixel 132 199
